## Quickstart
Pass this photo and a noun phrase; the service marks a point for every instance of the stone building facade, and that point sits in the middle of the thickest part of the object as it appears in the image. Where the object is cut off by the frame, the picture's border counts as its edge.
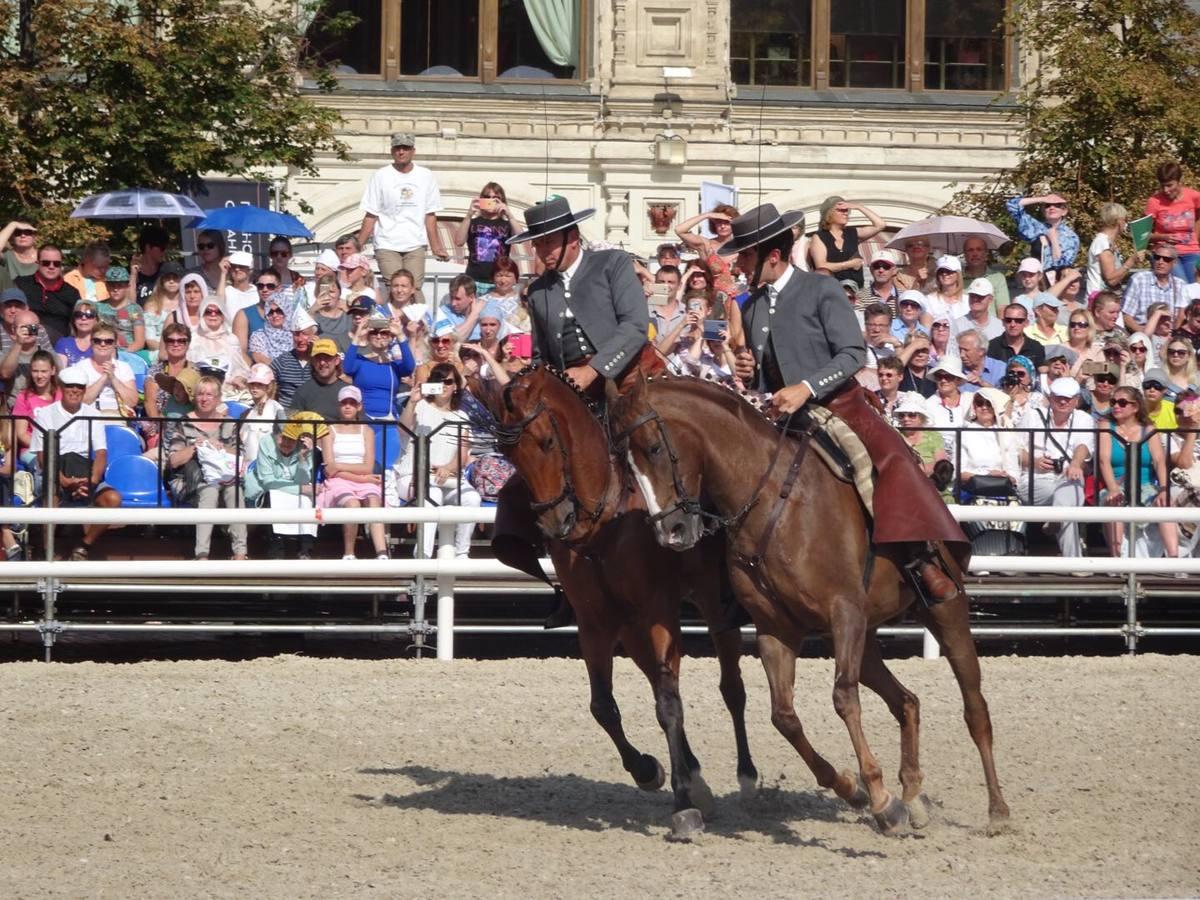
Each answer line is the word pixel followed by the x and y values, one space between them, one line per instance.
pixel 657 107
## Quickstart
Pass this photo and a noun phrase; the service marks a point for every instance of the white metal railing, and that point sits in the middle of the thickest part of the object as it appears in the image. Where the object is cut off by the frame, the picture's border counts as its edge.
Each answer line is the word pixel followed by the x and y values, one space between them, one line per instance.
pixel 50 576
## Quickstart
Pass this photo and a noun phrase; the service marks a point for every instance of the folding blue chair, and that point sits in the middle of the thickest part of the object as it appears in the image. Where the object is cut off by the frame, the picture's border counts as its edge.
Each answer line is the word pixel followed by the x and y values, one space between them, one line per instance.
pixel 121 441
pixel 140 367
pixel 137 480
pixel 386 456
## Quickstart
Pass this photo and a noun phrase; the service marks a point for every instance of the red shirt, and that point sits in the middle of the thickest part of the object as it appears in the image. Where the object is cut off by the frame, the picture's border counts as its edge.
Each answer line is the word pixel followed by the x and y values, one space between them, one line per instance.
pixel 1177 217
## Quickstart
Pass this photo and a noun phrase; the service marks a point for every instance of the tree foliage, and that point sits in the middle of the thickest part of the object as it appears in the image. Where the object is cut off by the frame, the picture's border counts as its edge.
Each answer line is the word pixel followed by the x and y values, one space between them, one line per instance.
pixel 1112 88
pixel 103 94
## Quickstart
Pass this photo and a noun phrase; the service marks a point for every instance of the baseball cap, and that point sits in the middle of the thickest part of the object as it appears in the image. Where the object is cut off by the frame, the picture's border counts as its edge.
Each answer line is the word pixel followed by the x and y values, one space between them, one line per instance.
pixel 241 258
pixel 885 254
pixel 324 347
pixel 1064 387
pixel 328 259
pixel 378 321
pixel 949 263
pixel 170 269
pixel 849 284
pixel 1155 375
pixel 362 303
pixel 13 295
pixel 260 373
pixel 355 261
pixel 403 139
pixel 981 286
pixel 1046 299
pixel 116 274
pixel 911 297
pixel 350 392
pixel 1029 264
pixel 443 328
pixel 73 375
pixel 1058 351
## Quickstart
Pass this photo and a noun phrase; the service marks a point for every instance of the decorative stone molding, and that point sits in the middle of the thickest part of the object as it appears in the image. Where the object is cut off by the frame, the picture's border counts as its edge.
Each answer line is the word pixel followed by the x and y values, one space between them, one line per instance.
pixel 617 216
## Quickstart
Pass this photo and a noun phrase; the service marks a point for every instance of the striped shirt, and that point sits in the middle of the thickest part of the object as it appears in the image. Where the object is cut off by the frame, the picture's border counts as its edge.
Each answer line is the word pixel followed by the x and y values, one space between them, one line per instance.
pixel 290 373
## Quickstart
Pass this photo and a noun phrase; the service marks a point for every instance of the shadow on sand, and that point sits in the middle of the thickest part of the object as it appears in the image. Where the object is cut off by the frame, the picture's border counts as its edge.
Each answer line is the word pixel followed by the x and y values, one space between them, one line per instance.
pixel 574 802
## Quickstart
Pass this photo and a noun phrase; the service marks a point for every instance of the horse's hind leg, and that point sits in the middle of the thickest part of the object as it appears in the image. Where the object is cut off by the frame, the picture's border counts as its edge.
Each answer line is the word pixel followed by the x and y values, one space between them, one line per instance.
pixel 906 709
pixel 849 636
pixel 597 650
pixel 779 662
pixel 728 645
pixel 950 623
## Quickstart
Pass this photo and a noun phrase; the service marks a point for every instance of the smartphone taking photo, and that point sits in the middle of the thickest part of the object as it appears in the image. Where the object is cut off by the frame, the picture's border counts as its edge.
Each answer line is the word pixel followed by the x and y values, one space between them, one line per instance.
pixel 432 389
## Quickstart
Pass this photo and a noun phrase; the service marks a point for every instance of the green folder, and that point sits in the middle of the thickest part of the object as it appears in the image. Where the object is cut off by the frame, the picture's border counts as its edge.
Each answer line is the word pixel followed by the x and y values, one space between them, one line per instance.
pixel 1139 230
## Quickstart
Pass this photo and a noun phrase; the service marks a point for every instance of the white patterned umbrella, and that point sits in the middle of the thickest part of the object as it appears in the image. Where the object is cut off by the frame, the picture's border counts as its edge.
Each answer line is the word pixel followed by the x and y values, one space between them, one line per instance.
pixel 947 233
pixel 137 203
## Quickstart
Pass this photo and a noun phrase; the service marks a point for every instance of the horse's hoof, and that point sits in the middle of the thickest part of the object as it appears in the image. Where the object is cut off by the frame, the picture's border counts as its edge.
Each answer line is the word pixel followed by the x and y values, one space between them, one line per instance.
pixel 861 797
pixel 748 786
pixel 657 780
pixel 918 811
pixel 685 825
pixel 702 797
pixel 893 817
pixel 999 822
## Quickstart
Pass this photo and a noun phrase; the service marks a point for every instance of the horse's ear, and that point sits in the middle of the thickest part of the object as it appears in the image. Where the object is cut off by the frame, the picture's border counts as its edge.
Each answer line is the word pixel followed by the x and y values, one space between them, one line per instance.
pixel 485 391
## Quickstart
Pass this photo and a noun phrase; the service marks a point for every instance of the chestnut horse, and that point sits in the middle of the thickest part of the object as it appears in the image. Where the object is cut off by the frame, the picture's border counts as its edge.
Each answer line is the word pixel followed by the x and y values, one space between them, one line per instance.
pixel 620 583
pixel 801 563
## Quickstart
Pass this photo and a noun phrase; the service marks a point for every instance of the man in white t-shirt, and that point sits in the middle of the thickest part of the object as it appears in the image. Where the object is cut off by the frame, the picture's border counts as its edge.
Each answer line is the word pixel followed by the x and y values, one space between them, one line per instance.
pixel 82 451
pixel 1063 442
pixel 400 209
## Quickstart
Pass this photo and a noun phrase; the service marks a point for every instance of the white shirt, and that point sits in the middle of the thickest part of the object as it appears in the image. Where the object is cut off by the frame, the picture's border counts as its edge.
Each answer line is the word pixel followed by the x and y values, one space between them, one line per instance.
pixel 401 200
pixel 936 305
pixel 566 275
pixel 1100 243
pixel 942 416
pixel 1077 432
pixel 443 443
pixel 993 329
pixel 236 298
pixel 74 438
pixel 106 400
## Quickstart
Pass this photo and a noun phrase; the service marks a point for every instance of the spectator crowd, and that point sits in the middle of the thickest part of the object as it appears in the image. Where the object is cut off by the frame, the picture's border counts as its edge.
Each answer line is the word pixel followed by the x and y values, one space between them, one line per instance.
pixel 241 381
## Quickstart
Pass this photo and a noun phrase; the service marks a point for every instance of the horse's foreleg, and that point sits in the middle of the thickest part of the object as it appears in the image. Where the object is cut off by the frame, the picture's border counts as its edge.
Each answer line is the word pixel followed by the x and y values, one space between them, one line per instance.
pixel 728 645
pixel 779 662
pixel 656 652
pixel 597 650
pixel 906 709
pixel 849 635
pixel 950 623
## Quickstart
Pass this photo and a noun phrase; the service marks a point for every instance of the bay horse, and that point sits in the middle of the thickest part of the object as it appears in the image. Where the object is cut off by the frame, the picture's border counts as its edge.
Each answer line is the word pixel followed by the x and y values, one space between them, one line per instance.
pixel 800 563
pixel 622 586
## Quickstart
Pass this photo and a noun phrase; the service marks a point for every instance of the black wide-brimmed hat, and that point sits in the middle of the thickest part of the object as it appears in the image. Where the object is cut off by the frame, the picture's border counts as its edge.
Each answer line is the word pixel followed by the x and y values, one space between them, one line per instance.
pixel 760 224
pixel 554 214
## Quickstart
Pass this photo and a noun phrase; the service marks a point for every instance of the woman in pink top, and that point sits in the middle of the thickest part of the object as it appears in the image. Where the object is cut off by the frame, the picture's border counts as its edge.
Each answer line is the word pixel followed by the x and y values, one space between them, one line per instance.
pixel 1176 222
pixel 40 390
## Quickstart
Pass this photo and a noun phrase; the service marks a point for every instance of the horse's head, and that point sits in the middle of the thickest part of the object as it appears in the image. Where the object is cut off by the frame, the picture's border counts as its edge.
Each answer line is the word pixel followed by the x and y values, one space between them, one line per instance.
pixel 661 450
pixel 546 431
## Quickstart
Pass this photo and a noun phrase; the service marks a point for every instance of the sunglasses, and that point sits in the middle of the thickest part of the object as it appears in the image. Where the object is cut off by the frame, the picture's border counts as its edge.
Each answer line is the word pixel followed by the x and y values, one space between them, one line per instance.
pixel 1158 257
pixel 1152 386
pixel 1013 320
pixel 450 382
pixel 213 312
pixel 85 315
pixel 281 252
pixel 1060 397
pixel 1177 351
pixel 375 331
pixel 1077 324
pixel 943 325
pixel 909 304
pixel 1019 374
pixel 207 245
pixel 103 342
pixel 1122 402
pixel 24 232
pixel 275 312
pixel 441 340
pixel 905 415
pixel 944 376
pixel 176 340
pixel 1106 379
pixel 882 265
pixel 1137 348
pixel 359 312
pixel 50 263
pixel 265 285
pixel 1056 206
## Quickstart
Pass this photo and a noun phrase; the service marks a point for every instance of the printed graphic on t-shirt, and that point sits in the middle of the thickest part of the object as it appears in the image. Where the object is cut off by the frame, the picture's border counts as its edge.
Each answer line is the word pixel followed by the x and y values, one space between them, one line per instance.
pixel 489 241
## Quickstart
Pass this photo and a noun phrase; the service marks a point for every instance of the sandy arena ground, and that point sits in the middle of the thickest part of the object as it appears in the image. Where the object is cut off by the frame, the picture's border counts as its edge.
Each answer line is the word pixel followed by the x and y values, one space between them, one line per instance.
pixel 294 777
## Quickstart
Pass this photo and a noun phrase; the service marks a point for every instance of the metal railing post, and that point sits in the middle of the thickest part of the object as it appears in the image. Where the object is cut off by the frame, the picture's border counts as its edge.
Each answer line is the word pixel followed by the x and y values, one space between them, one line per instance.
pixel 50 585
pixel 420 476
pixel 445 608
pixel 1133 486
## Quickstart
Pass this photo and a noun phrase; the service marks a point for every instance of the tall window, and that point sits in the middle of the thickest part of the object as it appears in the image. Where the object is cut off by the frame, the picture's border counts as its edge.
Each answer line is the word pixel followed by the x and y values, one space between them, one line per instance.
pixel 964 48
pixel 936 45
pixel 771 42
pixel 485 40
pixel 866 43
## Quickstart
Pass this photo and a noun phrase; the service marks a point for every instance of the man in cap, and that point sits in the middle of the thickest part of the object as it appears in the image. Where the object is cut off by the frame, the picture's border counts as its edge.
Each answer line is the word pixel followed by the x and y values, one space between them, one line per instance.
pixel 320 393
pixel 28 337
pixel 291 368
pixel 804 345
pixel 975 267
pixel 979 311
pixel 1157 285
pixel 400 208
pixel 588 308
pixel 884 265
pixel 12 305
pixel 82 451
pixel 1062 443
pixel 1043 326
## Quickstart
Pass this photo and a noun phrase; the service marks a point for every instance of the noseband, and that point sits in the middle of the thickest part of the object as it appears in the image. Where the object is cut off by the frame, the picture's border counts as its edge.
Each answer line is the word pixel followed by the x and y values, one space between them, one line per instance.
pixel 509 435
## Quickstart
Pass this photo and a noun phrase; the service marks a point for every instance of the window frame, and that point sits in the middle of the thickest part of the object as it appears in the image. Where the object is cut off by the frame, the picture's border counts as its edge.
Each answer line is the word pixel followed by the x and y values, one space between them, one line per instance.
pixel 488 50
pixel 913 67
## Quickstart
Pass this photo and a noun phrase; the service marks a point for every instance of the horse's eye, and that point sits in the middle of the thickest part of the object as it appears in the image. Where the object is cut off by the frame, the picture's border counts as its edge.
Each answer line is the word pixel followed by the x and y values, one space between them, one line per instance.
pixel 548 442
pixel 656 449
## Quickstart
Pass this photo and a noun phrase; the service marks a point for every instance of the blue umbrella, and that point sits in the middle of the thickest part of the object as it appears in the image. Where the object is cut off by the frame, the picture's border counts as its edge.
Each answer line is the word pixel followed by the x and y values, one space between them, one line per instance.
pixel 253 220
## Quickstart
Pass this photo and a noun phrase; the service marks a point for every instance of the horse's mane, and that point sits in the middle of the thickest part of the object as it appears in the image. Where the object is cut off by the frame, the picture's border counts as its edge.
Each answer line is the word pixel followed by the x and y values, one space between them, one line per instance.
pixel 736 400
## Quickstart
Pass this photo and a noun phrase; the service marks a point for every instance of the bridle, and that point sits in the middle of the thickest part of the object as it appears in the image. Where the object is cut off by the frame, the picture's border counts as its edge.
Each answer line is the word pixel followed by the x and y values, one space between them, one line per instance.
pixel 508 435
pixel 685 502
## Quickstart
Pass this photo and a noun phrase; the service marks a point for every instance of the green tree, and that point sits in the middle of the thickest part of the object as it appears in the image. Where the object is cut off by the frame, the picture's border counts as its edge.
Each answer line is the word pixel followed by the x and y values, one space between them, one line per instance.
pixel 1111 89
pixel 103 94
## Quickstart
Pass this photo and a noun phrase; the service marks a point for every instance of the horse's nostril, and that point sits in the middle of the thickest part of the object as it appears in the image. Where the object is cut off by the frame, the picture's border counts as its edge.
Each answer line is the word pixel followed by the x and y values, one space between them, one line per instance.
pixel 677 534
